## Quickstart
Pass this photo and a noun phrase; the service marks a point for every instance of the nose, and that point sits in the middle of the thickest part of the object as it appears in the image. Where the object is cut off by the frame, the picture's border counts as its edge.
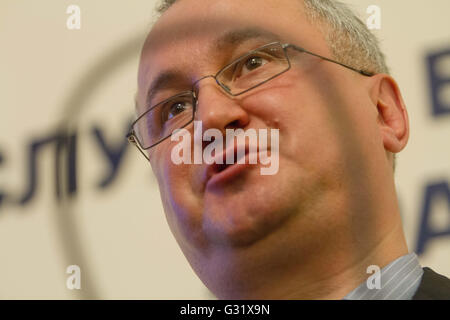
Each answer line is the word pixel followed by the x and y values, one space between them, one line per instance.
pixel 218 110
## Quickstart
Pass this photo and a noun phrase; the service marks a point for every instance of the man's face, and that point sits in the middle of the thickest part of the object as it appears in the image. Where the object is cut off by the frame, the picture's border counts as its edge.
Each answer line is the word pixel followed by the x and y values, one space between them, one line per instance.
pixel 326 121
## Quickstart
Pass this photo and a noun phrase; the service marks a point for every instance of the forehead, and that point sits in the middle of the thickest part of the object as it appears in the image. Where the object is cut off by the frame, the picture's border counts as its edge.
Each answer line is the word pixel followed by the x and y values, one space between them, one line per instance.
pixel 192 34
pixel 192 19
pixel 194 24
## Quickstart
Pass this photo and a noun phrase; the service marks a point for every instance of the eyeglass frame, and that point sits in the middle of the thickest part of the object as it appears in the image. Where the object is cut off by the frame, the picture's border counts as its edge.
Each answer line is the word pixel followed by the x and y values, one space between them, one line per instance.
pixel 132 138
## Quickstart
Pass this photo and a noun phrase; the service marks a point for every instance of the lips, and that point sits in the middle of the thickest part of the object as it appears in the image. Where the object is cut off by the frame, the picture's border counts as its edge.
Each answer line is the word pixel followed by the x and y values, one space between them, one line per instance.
pixel 221 173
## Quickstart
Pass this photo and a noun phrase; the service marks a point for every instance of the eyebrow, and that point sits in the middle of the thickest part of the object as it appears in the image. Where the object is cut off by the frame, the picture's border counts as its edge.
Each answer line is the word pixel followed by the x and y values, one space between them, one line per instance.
pixel 230 38
pixel 238 36
pixel 163 80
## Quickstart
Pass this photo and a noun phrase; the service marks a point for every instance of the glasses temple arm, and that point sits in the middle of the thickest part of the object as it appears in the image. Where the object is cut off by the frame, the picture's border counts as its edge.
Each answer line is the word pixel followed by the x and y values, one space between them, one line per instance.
pixel 132 139
pixel 363 72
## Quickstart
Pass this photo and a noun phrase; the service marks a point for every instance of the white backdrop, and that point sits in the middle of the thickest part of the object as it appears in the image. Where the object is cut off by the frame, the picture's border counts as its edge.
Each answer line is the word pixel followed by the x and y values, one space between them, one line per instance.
pixel 102 210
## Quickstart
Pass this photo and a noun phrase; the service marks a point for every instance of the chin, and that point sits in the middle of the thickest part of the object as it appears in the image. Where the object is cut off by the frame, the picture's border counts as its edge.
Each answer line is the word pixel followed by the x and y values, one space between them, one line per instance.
pixel 247 211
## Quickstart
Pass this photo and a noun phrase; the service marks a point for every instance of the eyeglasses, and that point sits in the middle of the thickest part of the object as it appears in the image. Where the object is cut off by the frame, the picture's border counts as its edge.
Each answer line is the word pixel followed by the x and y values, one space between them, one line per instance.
pixel 249 71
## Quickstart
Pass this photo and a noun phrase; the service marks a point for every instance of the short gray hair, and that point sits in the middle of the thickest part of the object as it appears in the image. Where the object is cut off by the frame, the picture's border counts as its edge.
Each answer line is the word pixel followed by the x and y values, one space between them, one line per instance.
pixel 348 37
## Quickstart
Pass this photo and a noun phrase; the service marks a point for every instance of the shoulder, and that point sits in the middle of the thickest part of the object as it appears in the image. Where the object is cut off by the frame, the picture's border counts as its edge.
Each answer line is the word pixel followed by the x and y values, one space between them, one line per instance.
pixel 433 286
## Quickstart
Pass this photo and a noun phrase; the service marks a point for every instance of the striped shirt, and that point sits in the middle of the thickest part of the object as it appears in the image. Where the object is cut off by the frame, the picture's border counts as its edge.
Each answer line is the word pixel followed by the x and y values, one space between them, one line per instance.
pixel 399 281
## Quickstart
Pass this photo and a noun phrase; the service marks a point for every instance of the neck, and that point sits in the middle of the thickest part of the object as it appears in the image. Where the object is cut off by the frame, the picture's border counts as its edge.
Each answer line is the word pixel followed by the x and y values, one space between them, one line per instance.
pixel 336 276
pixel 327 264
pixel 322 275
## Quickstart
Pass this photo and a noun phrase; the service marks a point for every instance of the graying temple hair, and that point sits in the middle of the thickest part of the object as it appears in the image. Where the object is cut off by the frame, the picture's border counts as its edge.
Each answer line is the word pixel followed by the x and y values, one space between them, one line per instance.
pixel 347 36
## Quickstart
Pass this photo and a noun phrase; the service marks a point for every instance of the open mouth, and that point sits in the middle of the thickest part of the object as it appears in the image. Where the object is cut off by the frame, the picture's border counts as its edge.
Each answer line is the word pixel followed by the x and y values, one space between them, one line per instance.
pixel 220 173
pixel 219 167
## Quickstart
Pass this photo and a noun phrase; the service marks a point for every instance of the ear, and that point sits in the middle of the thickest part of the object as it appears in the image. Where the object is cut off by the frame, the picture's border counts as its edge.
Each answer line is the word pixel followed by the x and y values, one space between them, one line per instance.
pixel 392 115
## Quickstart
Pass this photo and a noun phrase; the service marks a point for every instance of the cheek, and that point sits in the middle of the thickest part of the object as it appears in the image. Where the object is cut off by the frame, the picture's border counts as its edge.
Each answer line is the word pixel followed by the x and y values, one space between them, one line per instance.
pixel 317 121
pixel 173 179
pixel 338 126
pixel 302 110
pixel 181 204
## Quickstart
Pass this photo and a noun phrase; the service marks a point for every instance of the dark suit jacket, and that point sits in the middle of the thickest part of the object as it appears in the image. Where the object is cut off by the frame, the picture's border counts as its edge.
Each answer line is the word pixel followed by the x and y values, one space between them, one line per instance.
pixel 433 286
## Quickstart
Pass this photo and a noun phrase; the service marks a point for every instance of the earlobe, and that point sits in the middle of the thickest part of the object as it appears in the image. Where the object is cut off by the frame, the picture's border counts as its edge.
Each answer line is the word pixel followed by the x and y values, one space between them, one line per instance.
pixel 392 115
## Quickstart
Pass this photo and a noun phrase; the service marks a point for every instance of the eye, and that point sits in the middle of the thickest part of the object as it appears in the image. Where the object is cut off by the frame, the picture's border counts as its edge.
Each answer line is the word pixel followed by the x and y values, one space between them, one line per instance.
pixel 250 64
pixel 173 109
